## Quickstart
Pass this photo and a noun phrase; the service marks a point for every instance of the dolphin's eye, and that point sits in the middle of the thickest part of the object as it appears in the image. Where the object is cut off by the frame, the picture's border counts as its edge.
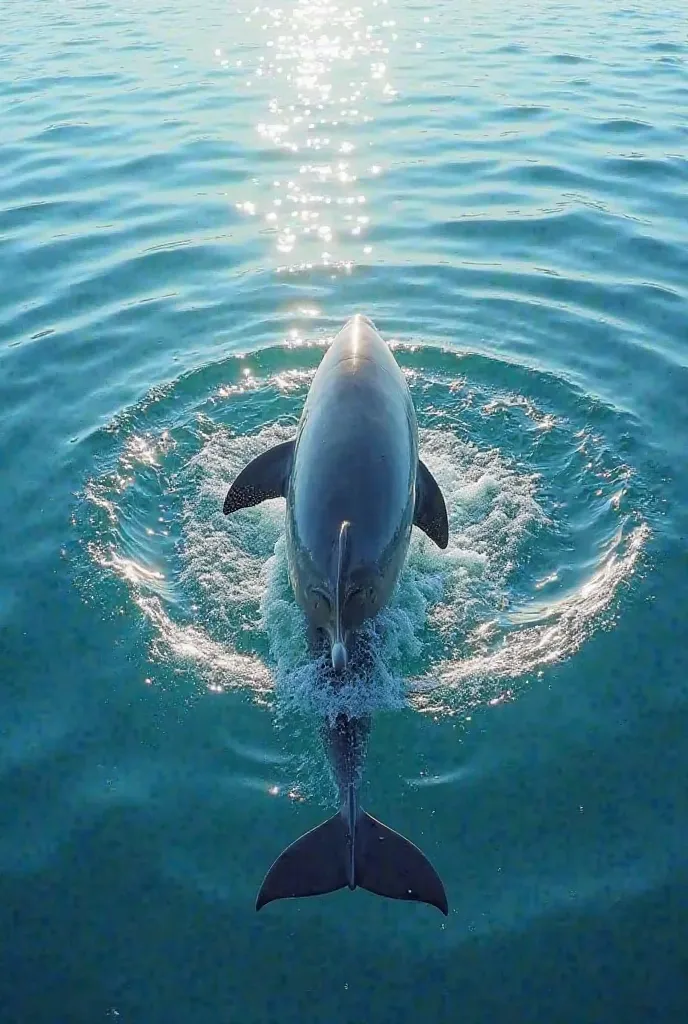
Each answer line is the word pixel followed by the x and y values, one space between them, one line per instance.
pixel 321 601
pixel 355 595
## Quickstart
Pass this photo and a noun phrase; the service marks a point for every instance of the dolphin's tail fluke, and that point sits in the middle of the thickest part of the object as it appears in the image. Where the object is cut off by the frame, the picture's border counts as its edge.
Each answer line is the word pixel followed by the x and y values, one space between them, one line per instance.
pixel 375 858
pixel 313 865
pixel 390 865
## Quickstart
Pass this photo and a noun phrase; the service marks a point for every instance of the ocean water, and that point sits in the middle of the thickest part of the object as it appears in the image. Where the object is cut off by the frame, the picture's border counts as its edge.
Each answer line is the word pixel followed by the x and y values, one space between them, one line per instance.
pixel 193 200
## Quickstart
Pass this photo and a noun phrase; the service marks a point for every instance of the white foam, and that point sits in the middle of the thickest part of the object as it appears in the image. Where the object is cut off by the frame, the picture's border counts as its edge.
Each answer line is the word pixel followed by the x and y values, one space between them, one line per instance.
pixel 445 623
pixel 491 506
pixel 455 686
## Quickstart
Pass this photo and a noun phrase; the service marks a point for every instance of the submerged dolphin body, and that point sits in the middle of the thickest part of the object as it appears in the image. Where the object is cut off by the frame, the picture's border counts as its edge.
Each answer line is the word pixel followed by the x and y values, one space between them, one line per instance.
pixel 354 487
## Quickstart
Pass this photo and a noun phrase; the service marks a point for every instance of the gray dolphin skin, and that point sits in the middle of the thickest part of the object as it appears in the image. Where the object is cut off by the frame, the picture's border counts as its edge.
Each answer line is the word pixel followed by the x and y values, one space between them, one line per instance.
pixel 354 488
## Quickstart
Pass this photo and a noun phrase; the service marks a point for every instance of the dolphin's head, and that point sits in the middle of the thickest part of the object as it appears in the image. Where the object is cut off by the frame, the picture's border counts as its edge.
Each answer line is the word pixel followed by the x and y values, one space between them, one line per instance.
pixel 360 598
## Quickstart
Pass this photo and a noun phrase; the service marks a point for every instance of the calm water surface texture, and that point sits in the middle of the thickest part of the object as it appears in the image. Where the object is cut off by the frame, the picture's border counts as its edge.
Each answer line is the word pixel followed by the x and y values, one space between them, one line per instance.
pixel 193 199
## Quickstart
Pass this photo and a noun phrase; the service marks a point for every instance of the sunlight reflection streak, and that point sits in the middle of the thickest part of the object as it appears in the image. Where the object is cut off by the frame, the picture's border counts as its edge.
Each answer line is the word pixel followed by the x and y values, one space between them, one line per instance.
pixel 328 65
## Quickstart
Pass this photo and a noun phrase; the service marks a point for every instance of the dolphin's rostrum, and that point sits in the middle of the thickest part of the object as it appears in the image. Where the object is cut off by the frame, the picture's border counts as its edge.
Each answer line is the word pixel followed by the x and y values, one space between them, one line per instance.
pixel 354 487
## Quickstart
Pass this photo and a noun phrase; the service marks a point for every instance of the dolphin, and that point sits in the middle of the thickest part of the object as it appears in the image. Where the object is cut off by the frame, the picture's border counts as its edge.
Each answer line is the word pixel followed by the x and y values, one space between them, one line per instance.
pixel 354 488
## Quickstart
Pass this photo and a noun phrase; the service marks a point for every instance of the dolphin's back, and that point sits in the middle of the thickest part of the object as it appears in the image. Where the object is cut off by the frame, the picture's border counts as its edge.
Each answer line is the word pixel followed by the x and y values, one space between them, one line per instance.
pixel 356 453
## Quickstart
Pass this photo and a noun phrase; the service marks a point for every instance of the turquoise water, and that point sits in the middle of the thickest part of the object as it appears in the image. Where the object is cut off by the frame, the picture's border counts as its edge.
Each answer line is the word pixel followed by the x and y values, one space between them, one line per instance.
pixel 193 200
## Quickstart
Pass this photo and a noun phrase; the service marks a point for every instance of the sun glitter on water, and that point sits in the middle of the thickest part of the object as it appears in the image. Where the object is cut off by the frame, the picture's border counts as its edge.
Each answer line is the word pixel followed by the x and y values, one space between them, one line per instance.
pixel 327 65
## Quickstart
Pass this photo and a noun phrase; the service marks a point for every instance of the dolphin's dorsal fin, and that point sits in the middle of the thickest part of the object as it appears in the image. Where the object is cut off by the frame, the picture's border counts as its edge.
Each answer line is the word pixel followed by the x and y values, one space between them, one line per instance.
pixel 431 512
pixel 339 653
pixel 267 476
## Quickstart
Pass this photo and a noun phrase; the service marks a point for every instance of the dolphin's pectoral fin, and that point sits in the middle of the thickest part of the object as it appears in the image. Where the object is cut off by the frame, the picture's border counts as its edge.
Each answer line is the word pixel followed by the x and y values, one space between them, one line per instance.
pixel 431 512
pixel 265 477
pixel 315 864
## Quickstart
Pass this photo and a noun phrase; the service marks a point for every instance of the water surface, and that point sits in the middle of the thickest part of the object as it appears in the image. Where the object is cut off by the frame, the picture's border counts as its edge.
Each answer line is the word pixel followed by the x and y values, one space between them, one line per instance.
pixel 192 201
